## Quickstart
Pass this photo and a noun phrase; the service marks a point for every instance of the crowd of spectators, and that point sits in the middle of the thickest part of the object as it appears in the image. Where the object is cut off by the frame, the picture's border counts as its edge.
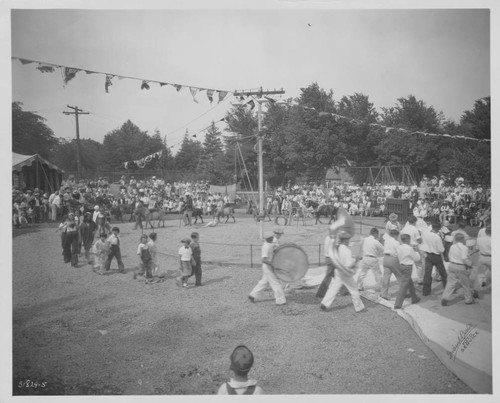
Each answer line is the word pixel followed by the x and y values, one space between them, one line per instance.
pixel 30 206
pixel 430 199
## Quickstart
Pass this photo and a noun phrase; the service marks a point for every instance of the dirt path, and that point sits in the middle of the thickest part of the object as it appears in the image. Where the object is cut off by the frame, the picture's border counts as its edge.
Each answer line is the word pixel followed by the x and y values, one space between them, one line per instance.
pixel 82 333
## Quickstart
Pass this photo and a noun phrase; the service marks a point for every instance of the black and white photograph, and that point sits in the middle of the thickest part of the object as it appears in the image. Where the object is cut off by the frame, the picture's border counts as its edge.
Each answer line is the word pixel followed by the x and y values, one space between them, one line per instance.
pixel 275 198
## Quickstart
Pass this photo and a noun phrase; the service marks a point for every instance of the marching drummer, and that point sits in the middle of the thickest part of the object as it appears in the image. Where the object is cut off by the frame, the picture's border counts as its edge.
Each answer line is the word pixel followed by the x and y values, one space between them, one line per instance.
pixel 341 257
pixel 268 276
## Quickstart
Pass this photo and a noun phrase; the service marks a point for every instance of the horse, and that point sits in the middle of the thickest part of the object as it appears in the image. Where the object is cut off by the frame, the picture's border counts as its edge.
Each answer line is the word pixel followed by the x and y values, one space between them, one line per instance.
pixel 197 213
pixel 154 214
pixel 257 217
pixel 227 212
pixel 327 210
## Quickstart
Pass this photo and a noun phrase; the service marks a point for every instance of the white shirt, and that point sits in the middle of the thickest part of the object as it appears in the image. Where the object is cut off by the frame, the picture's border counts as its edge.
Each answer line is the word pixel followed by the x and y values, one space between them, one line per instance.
pixel 267 251
pixel 432 243
pixel 413 232
pixel 459 253
pixel 407 255
pixel 483 244
pixel 344 254
pixel 391 246
pixel 372 247
pixel 186 253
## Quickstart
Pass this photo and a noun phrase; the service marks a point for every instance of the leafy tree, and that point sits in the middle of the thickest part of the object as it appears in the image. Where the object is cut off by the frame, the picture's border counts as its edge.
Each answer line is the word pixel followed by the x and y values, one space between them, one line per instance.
pixel 91 155
pixel 30 134
pixel 188 157
pixel 417 151
pixel 213 160
pixel 477 123
pixel 315 97
pixel 243 125
pixel 129 143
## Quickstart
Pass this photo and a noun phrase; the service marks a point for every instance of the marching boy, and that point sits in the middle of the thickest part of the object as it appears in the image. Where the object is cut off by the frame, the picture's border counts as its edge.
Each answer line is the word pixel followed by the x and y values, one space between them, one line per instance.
pixel 100 251
pixel 114 250
pixel 145 256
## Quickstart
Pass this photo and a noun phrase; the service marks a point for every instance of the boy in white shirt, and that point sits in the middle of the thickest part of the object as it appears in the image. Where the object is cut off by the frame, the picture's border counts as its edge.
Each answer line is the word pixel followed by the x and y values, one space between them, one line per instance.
pixel 458 273
pixel 407 256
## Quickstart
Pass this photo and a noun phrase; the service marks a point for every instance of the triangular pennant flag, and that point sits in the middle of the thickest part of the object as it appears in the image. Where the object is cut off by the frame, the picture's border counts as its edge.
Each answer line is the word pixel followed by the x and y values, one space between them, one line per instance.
pixel 210 95
pixel 89 71
pixel 178 87
pixel 222 95
pixel 69 74
pixel 252 104
pixel 24 61
pixel 194 91
pixel 45 68
pixel 162 84
pixel 144 85
pixel 108 82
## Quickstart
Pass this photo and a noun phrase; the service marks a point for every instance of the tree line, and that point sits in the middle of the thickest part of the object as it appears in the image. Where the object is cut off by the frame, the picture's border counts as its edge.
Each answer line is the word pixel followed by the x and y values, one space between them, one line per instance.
pixel 301 141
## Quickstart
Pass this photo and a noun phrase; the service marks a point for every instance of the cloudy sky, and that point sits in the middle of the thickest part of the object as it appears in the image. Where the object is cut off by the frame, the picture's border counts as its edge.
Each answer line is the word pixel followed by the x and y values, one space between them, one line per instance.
pixel 442 56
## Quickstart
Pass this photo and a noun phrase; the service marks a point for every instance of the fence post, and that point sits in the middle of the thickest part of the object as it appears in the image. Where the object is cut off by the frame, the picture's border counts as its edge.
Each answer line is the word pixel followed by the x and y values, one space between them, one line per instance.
pixel 251 256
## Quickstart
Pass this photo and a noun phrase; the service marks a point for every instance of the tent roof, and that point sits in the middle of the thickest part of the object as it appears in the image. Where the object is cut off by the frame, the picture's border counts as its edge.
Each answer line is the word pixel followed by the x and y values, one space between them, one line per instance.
pixel 19 161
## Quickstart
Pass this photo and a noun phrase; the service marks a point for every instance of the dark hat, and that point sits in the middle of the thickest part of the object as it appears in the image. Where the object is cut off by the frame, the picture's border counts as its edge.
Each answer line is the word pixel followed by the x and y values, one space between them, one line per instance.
pixel 278 231
pixel 344 235
pixel 268 234
pixel 241 359
pixel 186 240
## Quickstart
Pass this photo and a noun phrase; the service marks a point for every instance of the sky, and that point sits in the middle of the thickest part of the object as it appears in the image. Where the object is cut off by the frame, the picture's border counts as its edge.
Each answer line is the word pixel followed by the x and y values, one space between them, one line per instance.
pixel 441 56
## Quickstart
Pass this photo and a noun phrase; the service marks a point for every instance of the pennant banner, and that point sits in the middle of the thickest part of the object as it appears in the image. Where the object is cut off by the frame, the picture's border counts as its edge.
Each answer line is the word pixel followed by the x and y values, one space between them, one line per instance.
pixel 108 82
pixel 194 91
pixel 141 163
pixel 70 72
pixel 388 129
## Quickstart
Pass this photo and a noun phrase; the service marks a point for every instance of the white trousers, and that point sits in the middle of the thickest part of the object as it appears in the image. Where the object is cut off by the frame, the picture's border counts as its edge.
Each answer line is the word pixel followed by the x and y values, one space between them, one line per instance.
pixel 350 283
pixel 268 277
pixel 368 263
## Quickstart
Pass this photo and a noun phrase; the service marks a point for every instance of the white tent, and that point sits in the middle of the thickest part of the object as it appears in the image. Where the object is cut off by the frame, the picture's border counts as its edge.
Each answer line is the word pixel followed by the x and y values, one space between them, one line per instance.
pixel 33 171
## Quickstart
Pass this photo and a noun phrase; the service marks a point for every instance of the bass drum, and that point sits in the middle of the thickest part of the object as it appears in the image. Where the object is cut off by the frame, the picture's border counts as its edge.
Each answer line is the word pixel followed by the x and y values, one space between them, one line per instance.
pixel 290 262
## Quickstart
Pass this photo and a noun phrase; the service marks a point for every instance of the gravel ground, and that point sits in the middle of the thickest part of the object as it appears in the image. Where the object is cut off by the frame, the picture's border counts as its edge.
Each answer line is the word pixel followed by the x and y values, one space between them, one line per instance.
pixel 85 334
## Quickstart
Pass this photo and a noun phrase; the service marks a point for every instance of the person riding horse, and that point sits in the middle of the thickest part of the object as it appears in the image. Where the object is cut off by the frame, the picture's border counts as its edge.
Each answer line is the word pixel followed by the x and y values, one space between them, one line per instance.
pixel 327 210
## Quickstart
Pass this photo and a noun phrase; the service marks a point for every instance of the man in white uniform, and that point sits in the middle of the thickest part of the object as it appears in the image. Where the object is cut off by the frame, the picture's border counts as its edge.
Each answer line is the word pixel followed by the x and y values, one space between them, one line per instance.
pixel 268 276
pixel 372 249
pixel 415 241
pixel 341 257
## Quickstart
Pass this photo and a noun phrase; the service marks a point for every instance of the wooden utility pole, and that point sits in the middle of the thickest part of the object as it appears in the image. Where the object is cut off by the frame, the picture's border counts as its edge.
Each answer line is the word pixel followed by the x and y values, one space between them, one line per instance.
pixel 76 112
pixel 260 100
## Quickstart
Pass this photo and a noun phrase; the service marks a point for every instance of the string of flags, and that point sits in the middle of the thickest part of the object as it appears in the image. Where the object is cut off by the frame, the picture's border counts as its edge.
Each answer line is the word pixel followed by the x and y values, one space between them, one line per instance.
pixel 69 73
pixel 143 161
pixel 389 129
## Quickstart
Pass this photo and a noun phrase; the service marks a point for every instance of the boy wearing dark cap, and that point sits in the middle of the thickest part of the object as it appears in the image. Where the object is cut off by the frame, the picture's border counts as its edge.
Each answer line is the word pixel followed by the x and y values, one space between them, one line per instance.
pixel 241 363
